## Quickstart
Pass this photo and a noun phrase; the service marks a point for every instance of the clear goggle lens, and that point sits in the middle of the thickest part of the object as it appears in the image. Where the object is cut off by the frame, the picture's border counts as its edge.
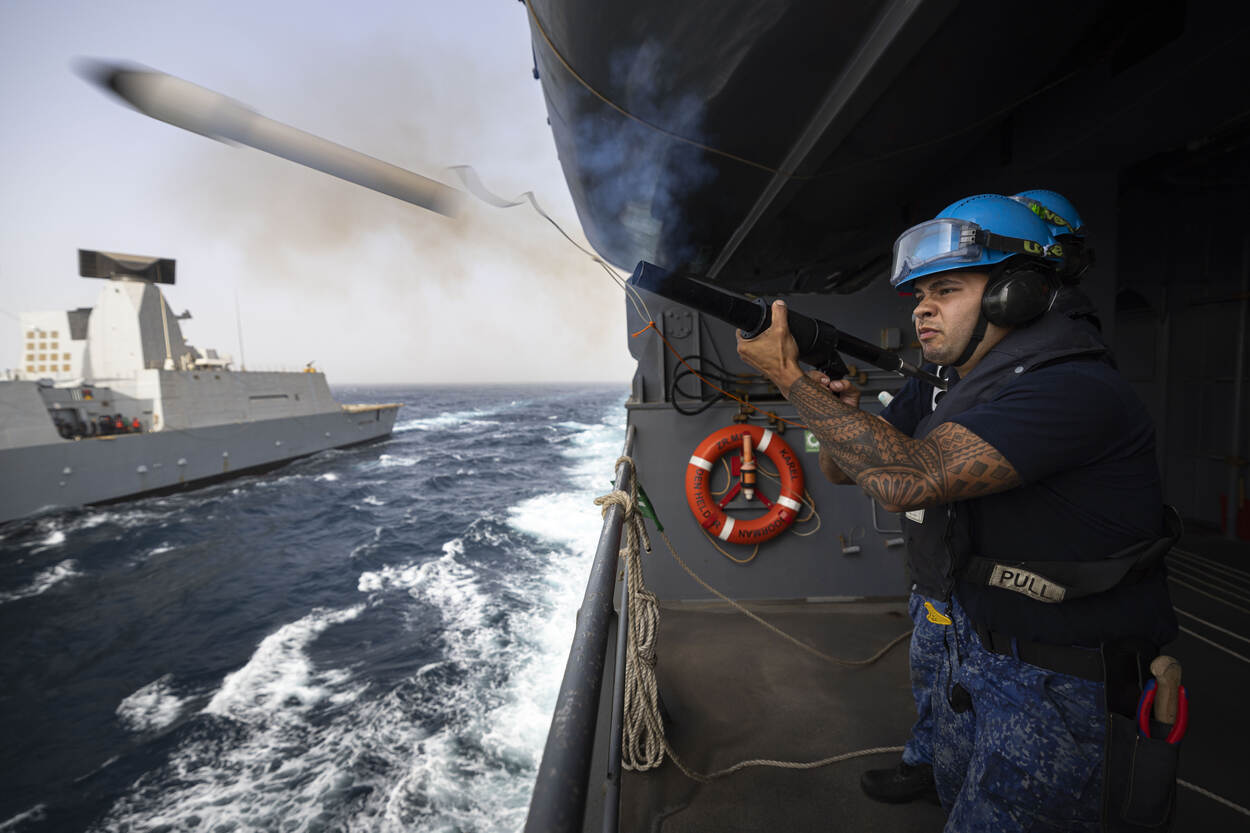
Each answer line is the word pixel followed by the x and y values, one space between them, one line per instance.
pixel 937 241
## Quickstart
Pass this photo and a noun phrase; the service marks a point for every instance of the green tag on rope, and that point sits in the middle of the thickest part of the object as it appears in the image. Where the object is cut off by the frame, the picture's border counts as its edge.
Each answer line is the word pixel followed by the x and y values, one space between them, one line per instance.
pixel 644 504
pixel 645 507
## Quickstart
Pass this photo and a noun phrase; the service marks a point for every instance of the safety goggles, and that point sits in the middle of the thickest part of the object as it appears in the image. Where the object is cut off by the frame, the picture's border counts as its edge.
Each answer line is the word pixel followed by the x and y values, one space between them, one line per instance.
pixel 950 243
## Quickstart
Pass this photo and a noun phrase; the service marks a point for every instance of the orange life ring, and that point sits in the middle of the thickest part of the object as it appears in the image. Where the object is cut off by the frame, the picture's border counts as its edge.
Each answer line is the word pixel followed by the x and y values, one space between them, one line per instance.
pixel 709 513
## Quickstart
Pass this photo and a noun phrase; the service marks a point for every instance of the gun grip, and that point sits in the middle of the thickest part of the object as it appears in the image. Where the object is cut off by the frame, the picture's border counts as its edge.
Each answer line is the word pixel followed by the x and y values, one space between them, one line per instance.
pixel 766 319
pixel 817 341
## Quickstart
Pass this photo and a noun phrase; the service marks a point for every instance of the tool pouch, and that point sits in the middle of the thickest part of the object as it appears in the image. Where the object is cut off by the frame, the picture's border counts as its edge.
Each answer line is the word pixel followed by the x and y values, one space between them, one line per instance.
pixel 1139 773
pixel 1139 793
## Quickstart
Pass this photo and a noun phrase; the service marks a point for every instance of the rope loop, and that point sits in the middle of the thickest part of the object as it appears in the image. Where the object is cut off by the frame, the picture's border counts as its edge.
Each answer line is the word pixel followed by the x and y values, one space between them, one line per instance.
pixel 635 527
pixel 616 498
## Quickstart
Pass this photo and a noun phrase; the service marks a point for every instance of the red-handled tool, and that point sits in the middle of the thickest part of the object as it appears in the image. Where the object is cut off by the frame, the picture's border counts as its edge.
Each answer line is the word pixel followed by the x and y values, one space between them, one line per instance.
pixel 1165 698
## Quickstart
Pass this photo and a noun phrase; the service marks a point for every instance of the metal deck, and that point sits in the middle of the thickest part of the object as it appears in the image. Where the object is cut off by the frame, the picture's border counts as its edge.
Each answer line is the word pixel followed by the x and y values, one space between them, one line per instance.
pixel 732 690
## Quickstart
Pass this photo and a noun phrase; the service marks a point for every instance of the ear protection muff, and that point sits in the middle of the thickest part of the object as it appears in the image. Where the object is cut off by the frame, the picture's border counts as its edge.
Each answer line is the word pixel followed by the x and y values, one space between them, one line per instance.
pixel 1078 258
pixel 1018 292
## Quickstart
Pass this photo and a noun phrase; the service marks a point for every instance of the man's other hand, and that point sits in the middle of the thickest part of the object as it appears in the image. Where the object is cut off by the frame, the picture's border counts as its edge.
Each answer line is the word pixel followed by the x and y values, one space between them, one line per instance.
pixel 773 352
pixel 846 392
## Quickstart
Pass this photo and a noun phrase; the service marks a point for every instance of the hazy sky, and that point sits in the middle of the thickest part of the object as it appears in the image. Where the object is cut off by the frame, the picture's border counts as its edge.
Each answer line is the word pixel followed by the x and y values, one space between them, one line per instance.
pixel 371 289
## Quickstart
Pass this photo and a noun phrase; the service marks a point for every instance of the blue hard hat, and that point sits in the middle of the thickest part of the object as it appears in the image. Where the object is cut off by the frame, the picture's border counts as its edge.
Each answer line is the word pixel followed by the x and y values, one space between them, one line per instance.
pixel 974 233
pixel 1056 209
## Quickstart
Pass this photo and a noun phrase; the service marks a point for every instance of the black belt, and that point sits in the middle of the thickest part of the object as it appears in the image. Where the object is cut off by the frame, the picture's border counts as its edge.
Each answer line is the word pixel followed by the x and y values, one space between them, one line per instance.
pixel 1085 663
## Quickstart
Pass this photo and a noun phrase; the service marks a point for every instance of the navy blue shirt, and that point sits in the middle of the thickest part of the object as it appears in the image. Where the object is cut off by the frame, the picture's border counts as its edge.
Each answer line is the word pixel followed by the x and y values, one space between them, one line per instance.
pixel 912 403
pixel 1083 444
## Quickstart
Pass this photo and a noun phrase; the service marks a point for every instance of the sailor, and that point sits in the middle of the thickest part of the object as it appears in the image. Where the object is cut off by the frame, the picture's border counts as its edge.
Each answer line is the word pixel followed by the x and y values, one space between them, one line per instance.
pixel 1035 515
pixel 136 426
pixel 119 424
pixel 912 777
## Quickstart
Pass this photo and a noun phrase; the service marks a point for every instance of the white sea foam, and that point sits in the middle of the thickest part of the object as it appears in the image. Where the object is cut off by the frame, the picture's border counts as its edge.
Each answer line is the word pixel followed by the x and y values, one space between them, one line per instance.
pixel 15 823
pixel 510 721
pixel 449 419
pixel 150 512
pixel 277 772
pixel 465 775
pixel 44 581
pixel 452 748
pixel 328 476
pixel 95 518
pixel 570 523
pixel 54 538
pixel 152 708
pixel 367 546
pixel 462 776
pixel 87 776
pixel 279 677
pixel 447 585
pixel 389 460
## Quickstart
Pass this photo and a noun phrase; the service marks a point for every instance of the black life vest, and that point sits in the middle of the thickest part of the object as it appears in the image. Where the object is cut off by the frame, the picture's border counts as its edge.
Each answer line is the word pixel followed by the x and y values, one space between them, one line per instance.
pixel 939 538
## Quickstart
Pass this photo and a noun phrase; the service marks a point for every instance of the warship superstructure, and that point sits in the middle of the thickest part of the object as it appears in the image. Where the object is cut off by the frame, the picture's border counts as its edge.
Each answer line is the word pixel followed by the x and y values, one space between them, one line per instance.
pixel 111 402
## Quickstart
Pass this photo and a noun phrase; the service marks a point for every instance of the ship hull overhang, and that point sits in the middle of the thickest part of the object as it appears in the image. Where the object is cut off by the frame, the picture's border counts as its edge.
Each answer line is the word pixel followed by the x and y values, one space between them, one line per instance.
pixel 781 147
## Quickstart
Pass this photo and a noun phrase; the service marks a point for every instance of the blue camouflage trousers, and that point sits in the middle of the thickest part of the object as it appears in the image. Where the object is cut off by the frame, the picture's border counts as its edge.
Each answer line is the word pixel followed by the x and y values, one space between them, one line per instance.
pixel 1027 756
pixel 928 647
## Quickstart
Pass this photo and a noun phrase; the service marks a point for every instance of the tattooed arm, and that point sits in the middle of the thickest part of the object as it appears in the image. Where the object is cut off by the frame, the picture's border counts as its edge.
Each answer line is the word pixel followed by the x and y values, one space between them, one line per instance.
pixel 952 463
pixel 848 395
pixel 830 468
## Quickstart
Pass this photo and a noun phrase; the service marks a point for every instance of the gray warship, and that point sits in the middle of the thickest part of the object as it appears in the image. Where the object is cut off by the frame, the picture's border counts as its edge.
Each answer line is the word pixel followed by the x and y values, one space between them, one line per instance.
pixel 110 402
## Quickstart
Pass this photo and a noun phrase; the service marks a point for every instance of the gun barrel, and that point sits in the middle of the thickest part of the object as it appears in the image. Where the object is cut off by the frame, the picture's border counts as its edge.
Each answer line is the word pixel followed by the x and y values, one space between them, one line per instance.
pixel 747 315
pixel 819 342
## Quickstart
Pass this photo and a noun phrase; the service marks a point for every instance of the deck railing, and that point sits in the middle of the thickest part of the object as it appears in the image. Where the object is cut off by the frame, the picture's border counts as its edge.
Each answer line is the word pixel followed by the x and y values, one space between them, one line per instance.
pixel 559 801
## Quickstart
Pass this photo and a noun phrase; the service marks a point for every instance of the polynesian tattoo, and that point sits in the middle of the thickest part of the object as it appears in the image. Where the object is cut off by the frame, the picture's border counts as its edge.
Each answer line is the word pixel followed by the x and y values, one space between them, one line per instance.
pixel 950 464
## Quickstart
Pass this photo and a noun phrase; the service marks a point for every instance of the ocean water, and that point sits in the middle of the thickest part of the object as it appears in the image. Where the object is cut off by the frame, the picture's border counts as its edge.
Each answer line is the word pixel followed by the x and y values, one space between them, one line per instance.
pixel 369 639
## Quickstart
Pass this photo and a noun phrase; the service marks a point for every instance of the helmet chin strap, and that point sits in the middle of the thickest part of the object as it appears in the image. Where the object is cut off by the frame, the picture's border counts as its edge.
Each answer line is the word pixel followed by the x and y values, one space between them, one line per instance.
pixel 978 333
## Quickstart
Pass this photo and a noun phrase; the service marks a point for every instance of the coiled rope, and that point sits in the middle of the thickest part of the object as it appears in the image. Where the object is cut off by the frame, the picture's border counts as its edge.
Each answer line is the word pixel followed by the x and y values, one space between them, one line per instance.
pixel 643 742
pixel 642 731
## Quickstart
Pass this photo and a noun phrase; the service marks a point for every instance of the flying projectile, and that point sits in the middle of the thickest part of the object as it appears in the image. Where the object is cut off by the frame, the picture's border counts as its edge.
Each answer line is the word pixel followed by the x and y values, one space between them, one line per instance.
pixel 212 114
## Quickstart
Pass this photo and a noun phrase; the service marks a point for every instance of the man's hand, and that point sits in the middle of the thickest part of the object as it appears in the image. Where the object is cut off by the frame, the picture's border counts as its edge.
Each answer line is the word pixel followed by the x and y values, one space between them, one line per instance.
pixel 773 352
pixel 846 392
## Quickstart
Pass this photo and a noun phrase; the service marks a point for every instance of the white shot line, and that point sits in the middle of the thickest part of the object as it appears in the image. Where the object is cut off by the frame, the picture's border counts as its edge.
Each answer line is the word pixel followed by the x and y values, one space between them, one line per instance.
pixel 1215 644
